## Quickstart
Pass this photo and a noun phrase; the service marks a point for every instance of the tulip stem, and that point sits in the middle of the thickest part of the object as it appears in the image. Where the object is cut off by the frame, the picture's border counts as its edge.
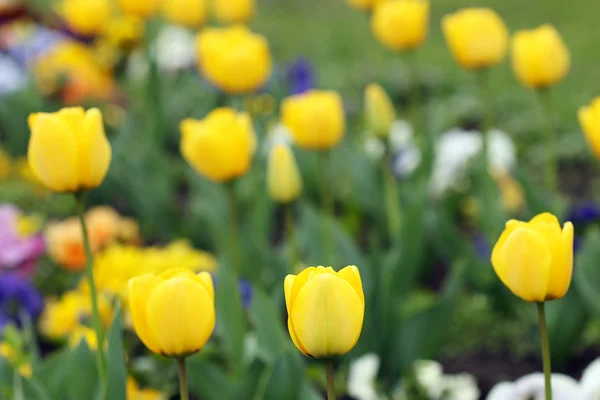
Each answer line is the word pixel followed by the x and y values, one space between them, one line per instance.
pixel 545 349
pixel 100 359
pixel 330 380
pixel 392 204
pixel 291 236
pixel 327 204
pixel 551 166
pixel 233 221
pixel 183 386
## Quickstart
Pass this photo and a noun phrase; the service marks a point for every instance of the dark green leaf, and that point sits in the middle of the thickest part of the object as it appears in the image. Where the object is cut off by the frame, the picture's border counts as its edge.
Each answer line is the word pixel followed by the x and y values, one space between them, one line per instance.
pixel 115 359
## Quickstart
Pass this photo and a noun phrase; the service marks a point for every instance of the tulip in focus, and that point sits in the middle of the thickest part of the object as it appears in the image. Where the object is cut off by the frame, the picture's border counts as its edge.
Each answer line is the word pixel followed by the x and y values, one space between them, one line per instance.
pixel 86 17
pixel 379 111
pixel 141 8
pixel 540 58
pixel 234 59
pixel 477 37
pixel 284 183
pixel 219 147
pixel 401 25
pixel 191 13
pixel 173 313
pixel 589 119
pixel 325 310
pixel 233 11
pixel 535 259
pixel 315 119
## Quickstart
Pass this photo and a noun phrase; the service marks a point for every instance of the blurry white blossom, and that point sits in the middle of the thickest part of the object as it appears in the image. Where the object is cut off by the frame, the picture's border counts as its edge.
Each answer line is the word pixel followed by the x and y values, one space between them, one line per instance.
pixel 361 377
pixel 173 48
pixel 401 135
pixel 429 376
pixel 374 147
pixel 12 76
pixel 532 387
pixel 460 387
pixel 590 382
pixel 406 161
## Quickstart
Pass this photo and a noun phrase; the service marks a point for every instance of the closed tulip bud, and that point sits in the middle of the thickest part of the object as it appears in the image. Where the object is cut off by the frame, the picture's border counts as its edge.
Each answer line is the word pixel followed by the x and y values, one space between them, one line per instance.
pixel 477 37
pixel 379 110
pixel 141 8
pixel 589 119
pixel 68 150
pixel 284 183
pixel 540 58
pixel 173 313
pixel 233 59
pixel 233 11
pixel 325 310
pixel 219 147
pixel 315 119
pixel 191 13
pixel 535 259
pixel 401 24
pixel 86 17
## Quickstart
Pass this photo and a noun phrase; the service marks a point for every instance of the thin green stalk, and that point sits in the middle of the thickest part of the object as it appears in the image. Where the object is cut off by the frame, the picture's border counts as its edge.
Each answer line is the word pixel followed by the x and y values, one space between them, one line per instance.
pixel 330 379
pixel 97 322
pixel 545 349
pixel 183 385
pixel 392 204
pixel 234 230
pixel 551 165
pixel 326 204
pixel 291 237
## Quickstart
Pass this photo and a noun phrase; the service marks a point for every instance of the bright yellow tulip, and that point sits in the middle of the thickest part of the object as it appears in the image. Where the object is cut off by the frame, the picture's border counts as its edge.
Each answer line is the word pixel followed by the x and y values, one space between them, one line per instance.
pixel 86 17
pixel 540 58
pixel 315 119
pixel 173 313
pixel 219 147
pixel 589 119
pixel 284 183
pixel 233 11
pixel 68 150
pixel 234 59
pixel 325 310
pixel 535 259
pixel 401 24
pixel 477 37
pixel 191 13
pixel 363 5
pixel 379 110
pixel 125 30
pixel 141 8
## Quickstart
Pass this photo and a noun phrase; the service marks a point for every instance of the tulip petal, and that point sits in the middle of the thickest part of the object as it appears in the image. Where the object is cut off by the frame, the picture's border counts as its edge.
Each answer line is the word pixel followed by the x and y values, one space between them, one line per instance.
pixel 510 228
pixel 95 152
pixel 351 275
pixel 205 280
pixel 560 278
pixel 139 290
pixel 287 289
pixel 298 283
pixel 295 338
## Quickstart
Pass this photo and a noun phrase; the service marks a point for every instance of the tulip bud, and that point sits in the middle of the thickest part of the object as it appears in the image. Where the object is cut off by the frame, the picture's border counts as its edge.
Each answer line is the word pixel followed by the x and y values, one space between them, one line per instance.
pixel 535 259
pixel 401 24
pixel 68 150
pixel 233 11
pixel 173 313
pixel 325 310
pixel 284 183
pixel 379 111
pixel 589 119
pixel 540 58
pixel 86 17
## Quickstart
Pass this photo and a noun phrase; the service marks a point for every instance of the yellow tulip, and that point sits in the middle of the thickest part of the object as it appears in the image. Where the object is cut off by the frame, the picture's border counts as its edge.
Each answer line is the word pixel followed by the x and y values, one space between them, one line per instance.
pixel 535 259
pixel 134 392
pixel 379 110
pixel 540 58
pixel 86 17
pixel 191 13
pixel 401 24
pixel 325 310
pixel 8 352
pixel 219 147
pixel 234 59
pixel 141 8
pixel 233 11
pixel 284 183
pixel 173 313
pixel 315 119
pixel 83 333
pixel 477 37
pixel 589 119
pixel 364 5
pixel 68 150
pixel 125 30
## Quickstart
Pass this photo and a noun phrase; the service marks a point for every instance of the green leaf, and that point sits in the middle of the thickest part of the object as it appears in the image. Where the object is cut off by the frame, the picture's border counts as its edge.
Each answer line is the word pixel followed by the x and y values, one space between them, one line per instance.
pixel 587 273
pixel 207 380
pixel 32 389
pixel 285 377
pixel 115 358
pixel 54 372
pixel 82 381
pixel 231 318
pixel 268 325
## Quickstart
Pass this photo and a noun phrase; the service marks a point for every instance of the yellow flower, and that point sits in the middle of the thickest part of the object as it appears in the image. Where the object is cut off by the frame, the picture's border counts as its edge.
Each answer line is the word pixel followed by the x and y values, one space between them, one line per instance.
pixel 135 393
pixel 325 310
pixel 284 183
pixel 68 150
pixel 511 192
pixel 315 119
pixel 8 352
pixel 125 30
pixel 401 24
pixel 83 333
pixel 5 165
pixel 379 110
pixel 173 313
pixel 86 17
pixel 363 5
pixel 589 119
pixel 219 147
pixel 234 59
pixel 191 13
pixel 535 259
pixel 540 58
pixel 477 37
pixel 233 11
pixel 141 8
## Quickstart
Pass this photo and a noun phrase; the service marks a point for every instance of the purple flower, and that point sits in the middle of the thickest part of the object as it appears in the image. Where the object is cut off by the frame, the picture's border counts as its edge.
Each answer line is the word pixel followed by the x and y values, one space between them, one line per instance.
pixel 584 213
pixel 18 297
pixel 300 76
pixel 482 247
pixel 244 287
pixel 16 250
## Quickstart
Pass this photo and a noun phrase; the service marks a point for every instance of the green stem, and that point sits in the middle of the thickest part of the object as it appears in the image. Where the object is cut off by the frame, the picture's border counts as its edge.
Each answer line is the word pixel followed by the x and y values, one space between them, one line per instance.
pixel 545 349
pixel 326 204
pixel 291 237
pixel 97 322
pixel 330 379
pixel 234 230
pixel 551 165
pixel 392 204
pixel 183 386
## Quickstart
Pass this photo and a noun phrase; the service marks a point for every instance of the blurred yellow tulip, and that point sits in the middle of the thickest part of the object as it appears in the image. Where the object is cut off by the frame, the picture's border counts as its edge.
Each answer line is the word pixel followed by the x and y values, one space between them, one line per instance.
pixel 141 8
pixel 86 17
pixel 233 11
pixel 315 119
pixel 68 150
pixel 125 30
pixel 401 24
pixel 379 110
pixel 535 259
pixel 325 310
pixel 589 119
pixel 6 164
pixel 134 392
pixel 8 352
pixel 477 37
pixel 219 147
pixel 540 58
pixel 83 333
pixel 364 5
pixel 234 59
pixel 191 13
pixel 284 183
pixel 173 313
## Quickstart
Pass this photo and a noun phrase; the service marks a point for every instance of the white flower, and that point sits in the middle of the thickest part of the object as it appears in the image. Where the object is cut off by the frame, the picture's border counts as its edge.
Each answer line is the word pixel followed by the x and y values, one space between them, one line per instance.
pixel 532 387
pixel 460 387
pixel 429 376
pixel 401 135
pixel 406 161
pixel 373 148
pixel 589 385
pixel 173 48
pixel 361 377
